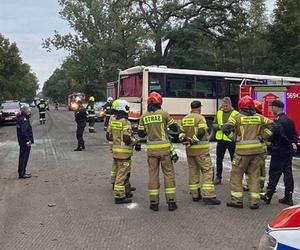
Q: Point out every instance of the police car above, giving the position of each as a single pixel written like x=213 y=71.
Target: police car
x=283 y=233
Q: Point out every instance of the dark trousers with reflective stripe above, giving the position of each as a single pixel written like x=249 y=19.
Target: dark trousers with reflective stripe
x=91 y=123
x=23 y=159
x=222 y=146
x=281 y=165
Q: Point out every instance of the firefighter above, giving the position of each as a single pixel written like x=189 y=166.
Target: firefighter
x=248 y=128
x=113 y=172
x=90 y=109
x=120 y=134
x=258 y=110
x=80 y=118
x=154 y=124
x=108 y=111
x=42 y=111
x=223 y=142
x=284 y=143
x=25 y=139
x=194 y=134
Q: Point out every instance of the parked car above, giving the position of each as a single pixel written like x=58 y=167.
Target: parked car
x=9 y=111
x=284 y=231
x=100 y=114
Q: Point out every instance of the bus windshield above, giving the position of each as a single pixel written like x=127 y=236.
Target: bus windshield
x=131 y=86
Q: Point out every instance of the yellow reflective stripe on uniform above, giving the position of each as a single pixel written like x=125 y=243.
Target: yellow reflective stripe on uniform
x=237 y=194
x=119 y=188
x=122 y=150
x=116 y=125
x=242 y=132
x=153 y=119
x=153 y=191
x=267 y=121
x=254 y=195
x=262 y=178
x=140 y=127
x=268 y=131
x=163 y=133
x=170 y=190
x=188 y=122
x=208 y=186
x=171 y=122
x=194 y=186
x=112 y=173
x=202 y=125
x=250 y=120
x=232 y=120
x=158 y=146
x=248 y=146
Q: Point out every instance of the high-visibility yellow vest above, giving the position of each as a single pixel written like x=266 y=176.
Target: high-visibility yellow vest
x=219 y=134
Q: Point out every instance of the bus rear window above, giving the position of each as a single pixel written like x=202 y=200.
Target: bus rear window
x=131 y=86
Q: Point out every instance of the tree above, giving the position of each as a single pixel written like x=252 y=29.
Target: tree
x=284 y=38
x=16 y=79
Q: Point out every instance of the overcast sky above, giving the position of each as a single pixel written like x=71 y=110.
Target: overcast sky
x=27 y=22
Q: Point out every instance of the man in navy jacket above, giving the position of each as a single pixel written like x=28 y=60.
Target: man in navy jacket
x=25 y=139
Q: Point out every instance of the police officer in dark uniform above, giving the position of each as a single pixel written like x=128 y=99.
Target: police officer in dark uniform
x=25 y=139
x=284 y=143
x=80 y=118
x=42 y=106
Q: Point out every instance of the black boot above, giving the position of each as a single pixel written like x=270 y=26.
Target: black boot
x=124 y=200
x=211 y=201
x=78 y=149
x=218 y=181
x=287 y=199
x=132 y=189
x=235 y=204
x=267 y=197
x=254 y=206
x=154 y=206
x=172 y=206
x=129 y=195
x=199 y=196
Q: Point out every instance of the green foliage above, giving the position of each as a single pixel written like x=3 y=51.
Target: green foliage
x=16 y=79
x=223 y=35
x=284 y=39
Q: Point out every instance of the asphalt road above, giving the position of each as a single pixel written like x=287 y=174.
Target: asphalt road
x=68 y=204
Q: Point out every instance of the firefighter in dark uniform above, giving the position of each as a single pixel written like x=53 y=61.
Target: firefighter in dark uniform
x=223 y=142
x=108 y=111
x=90 y=108
x=42 y=111
x=80 y=118
x=25 y=139
x=284 y=143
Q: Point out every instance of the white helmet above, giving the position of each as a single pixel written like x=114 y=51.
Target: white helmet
x=122 y=105
x=110 y=99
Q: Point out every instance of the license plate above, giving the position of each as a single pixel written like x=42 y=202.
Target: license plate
x=8 y=118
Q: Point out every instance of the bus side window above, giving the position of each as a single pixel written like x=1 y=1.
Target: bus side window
x=205 y=87
x=156 y=83
x=179 y=85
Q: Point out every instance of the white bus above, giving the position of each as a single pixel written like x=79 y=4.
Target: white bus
x=179 y=87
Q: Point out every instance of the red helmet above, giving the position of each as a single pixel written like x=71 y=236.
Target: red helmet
x=154 y=97
x=246 y=102
x=258 y=106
